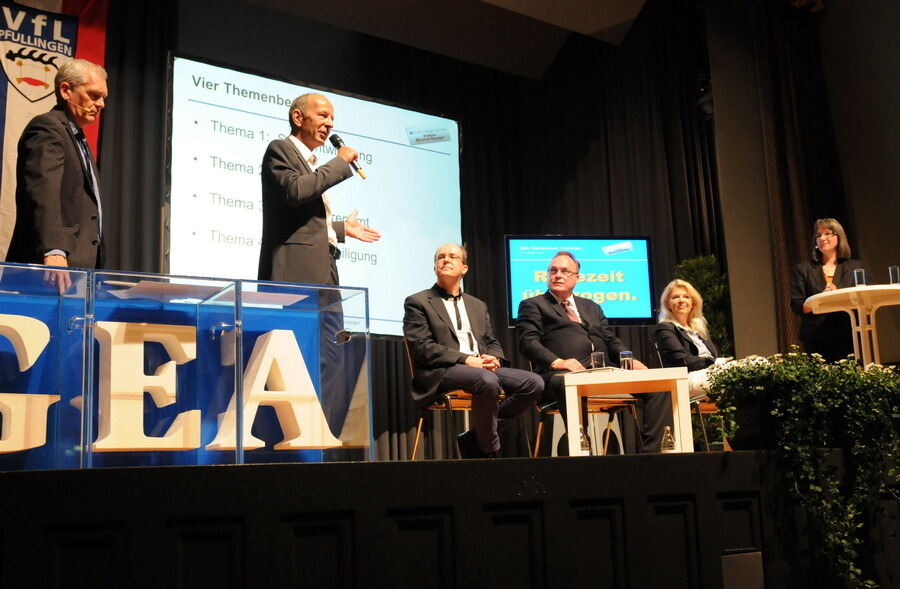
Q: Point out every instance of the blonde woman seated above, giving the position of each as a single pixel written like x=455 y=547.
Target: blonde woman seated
x=681 y=336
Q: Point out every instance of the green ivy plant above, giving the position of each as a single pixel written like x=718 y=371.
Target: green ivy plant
x=703 y=272
x=811 y=405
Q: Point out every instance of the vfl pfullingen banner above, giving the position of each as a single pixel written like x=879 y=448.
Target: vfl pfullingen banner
x=37 y=37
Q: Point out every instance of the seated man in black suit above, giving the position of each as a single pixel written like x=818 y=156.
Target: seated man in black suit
x=557 y=331
x=452 y=343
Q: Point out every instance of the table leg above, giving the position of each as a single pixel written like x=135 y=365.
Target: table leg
x=875 y=350
x=869 y=334
x=573 y=420
x=858 y=341
x=681 y=415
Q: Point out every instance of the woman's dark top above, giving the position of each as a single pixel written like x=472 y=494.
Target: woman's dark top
x=828 y=334
x=677 y=349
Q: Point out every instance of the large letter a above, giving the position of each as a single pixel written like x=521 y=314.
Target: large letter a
x=277 y=363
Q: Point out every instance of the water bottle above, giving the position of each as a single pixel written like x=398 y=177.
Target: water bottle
x=585 y=442
x=667 y=444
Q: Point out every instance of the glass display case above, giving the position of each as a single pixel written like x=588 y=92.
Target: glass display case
x=129 y=369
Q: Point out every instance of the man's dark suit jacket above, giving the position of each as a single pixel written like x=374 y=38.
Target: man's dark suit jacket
x=294 y=244
x=56 y=207
x=807 y=280
x=676 y=348
x=432 y=339
x=545 y=333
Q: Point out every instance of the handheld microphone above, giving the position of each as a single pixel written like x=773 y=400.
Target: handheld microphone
x=338 y=143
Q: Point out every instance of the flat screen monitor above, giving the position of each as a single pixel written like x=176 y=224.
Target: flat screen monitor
x=615 y=272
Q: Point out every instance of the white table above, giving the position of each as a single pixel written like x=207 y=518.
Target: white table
x=860 y=302
x=618 y=382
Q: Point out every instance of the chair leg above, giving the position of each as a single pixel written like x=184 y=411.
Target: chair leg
x=418 y=436
x=525 y=434
x=537 y=436
x=703 y=427
x=450 y=421
x=609 y=420
x=637 y=427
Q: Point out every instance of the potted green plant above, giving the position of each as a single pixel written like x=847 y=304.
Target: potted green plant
x=805 y=406
x=704 y=274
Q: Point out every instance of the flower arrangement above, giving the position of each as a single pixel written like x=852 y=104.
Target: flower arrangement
x=810 y=405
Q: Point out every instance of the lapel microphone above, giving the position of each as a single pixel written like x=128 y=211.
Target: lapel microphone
x=92 y=110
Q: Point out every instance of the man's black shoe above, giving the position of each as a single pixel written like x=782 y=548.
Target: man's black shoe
x=468 y=445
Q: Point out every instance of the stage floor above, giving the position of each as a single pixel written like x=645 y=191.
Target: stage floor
x=689 y=520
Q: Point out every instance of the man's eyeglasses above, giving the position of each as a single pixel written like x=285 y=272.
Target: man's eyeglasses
x=825 y=234
x=454 y=257
x=563 y=271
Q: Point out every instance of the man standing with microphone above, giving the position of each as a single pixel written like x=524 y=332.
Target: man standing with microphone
x=58 y=213
x=299 y=238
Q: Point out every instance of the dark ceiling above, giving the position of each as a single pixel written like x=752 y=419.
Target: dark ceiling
x=521 y=37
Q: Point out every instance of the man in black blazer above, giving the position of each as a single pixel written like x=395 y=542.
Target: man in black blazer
x=57 y=192
x=299 y=239
x=452 y=344
x=558 y=340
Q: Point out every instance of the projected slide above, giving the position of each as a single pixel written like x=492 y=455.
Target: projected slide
x=222 y=121
x=615 y=273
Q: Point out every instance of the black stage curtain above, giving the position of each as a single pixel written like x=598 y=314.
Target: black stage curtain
x=802 y=168
x=614 y=141
x=133 y=163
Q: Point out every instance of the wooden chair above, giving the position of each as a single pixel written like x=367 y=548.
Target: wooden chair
x=590 y=406
x=455 y=400
x=700 y=406
x=458 y=400
x=704 y=406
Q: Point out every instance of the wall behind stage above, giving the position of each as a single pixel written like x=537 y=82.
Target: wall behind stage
x=742 y=175
x=860 y=50
x=781 y=75
x=599 y=147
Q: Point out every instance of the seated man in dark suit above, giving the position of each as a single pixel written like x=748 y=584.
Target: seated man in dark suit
x=557 y=331
x=452 y=344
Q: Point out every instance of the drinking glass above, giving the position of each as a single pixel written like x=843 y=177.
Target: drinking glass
x=626 y=360
x=894 y=274
x=598 y=359
x=859 y=277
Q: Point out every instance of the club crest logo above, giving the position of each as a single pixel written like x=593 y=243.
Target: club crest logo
x=33 y=44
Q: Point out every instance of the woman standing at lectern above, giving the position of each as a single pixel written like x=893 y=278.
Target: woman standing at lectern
x=830 y=268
